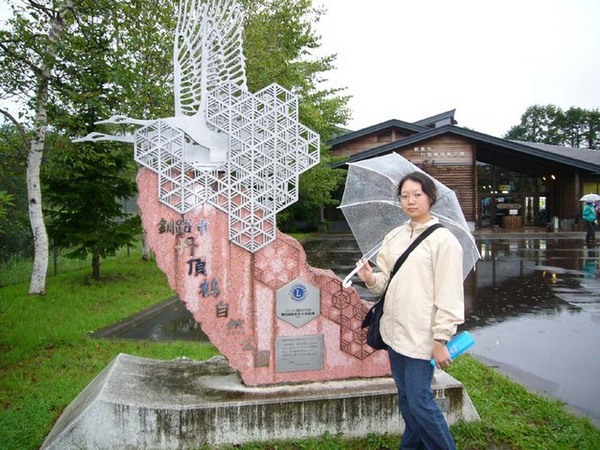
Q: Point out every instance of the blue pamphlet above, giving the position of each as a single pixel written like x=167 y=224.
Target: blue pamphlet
x=458 y=345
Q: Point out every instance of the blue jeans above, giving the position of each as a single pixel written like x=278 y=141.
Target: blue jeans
x=426 y=427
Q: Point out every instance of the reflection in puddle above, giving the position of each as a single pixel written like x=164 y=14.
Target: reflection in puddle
x=173 y=323
x=536 y=307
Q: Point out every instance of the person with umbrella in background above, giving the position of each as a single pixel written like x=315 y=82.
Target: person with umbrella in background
x=589 y=216
x=424 y=304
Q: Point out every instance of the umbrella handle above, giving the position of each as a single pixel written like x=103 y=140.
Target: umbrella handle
x=347 y=282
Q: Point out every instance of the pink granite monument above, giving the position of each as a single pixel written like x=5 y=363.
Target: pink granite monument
x=233 y=293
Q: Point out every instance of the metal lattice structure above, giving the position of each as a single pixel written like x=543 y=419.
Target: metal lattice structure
x=240 y=152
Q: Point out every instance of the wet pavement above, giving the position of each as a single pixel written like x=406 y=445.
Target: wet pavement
x=532 y=305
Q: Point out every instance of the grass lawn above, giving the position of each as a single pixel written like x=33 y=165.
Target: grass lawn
x=47 y=358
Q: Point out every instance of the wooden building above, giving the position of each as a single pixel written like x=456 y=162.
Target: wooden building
x=498 y=182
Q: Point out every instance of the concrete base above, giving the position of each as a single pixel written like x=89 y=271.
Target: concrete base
x=142 y=403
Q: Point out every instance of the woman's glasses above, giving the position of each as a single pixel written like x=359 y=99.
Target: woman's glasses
x=406 y=197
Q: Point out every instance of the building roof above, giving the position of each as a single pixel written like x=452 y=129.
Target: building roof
x=493 y=150
x=583 y=154
x=393 y=123
x=446 y=118
x=415 y=127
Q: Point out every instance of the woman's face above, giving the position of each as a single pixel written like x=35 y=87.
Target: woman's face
x=415 y=202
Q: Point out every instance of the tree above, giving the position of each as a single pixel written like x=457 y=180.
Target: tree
x=87 y=183
x=84 y=190
x=16 y=232
x=573 y=123
x=592 y=132
x=29 y=49
x=6 y=200
x=549 y=124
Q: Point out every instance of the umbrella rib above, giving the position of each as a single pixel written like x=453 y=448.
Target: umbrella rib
x=368 y=202
x=373 y=170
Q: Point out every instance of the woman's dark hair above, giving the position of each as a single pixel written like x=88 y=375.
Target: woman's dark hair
x=427 y=184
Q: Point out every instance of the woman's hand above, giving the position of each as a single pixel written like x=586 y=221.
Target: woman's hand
x=365 y=272
x=441 y=355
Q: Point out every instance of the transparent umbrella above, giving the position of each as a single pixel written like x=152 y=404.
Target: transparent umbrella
x=371 y=206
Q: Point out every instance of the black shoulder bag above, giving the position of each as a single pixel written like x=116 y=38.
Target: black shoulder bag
x=373 y=317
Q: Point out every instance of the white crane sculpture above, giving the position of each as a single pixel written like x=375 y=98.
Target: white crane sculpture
x=238 y=151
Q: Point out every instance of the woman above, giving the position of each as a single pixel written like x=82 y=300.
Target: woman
x=424 y=305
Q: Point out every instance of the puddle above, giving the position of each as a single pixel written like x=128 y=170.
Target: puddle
x=167 y=321
x=536 y=308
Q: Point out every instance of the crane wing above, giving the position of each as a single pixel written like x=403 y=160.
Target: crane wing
x=207 y=52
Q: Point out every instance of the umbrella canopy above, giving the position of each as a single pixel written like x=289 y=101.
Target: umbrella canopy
x=371 y=206
x=590 y=198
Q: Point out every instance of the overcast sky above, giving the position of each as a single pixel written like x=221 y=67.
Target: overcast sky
x=489 y=60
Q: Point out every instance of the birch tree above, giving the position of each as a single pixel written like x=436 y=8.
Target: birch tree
x=43 y=61
x=28 y=55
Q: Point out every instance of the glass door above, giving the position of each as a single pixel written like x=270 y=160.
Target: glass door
x=529 y=211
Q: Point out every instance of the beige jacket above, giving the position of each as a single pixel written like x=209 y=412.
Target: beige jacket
x=425 y=300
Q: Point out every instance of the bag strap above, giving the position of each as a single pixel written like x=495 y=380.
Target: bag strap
x=414 y=245
x=410 y=248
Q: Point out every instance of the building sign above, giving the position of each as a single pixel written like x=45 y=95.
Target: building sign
x=438 y=156
x=298 y=353
x=298 y=302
